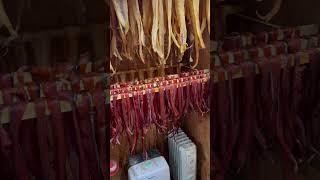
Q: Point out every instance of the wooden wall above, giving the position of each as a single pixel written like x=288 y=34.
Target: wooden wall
x=57 y=45
x=198 y=129
x=54 y=31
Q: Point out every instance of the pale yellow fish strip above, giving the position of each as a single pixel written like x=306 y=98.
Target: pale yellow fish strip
x=155 y=24
x=181 y=18
x=139 y=24
x=171 y=36
x=113 y=48
x=193 y=7
x=161 y=34
x=121 y=8
x=147 y=15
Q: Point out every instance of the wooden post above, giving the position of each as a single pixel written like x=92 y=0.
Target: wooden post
x=72 y=37
x=179 y=68
x=204 y=58
x=162 y=70
x=21 y=54
x=141 y=75
x=98 y=36
x=132 y=75
x=41 y=44
x=149 y=70
x=123 y=77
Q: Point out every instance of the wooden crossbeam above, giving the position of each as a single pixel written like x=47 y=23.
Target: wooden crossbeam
x=30 y=112
x=304 y=59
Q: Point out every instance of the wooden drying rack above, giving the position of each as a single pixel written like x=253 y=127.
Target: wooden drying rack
x=304 y=59
x=66 y=107
x=96 y=79
x=179 y=82
x=30 y=108
x=122 y=76
x=30 y=112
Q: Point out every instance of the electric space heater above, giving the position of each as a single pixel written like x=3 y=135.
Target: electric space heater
x=154 y=168
x=182 y=156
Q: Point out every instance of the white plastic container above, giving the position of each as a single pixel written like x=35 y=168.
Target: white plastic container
x=153 y=169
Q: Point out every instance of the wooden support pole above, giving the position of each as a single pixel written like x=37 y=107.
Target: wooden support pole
x=149 y=71
x=28 y=36
x=161 y=70
x=98 y=36
x=72 y=38
x=41 y=45
x=21 y=55
x=141 y=75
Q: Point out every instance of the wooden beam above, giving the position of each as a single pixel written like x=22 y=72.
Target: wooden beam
x=98 y=35
x=73 y=46
x=96 y=79
x=304 y=59
x=30 y=112
x=180 y=82
x=28 y=36
x=41 y=44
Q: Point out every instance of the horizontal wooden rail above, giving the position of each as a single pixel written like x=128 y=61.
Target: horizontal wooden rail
x=30 y=112
x=96 y=79
x=148 y=69
x=66 y=107
x=303 y=56
x=205 y=77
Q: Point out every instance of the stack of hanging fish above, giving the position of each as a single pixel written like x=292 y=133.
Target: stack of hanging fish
x=145 y=28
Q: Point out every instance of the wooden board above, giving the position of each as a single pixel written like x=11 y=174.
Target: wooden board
x=304 y=59
x=198 y=129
